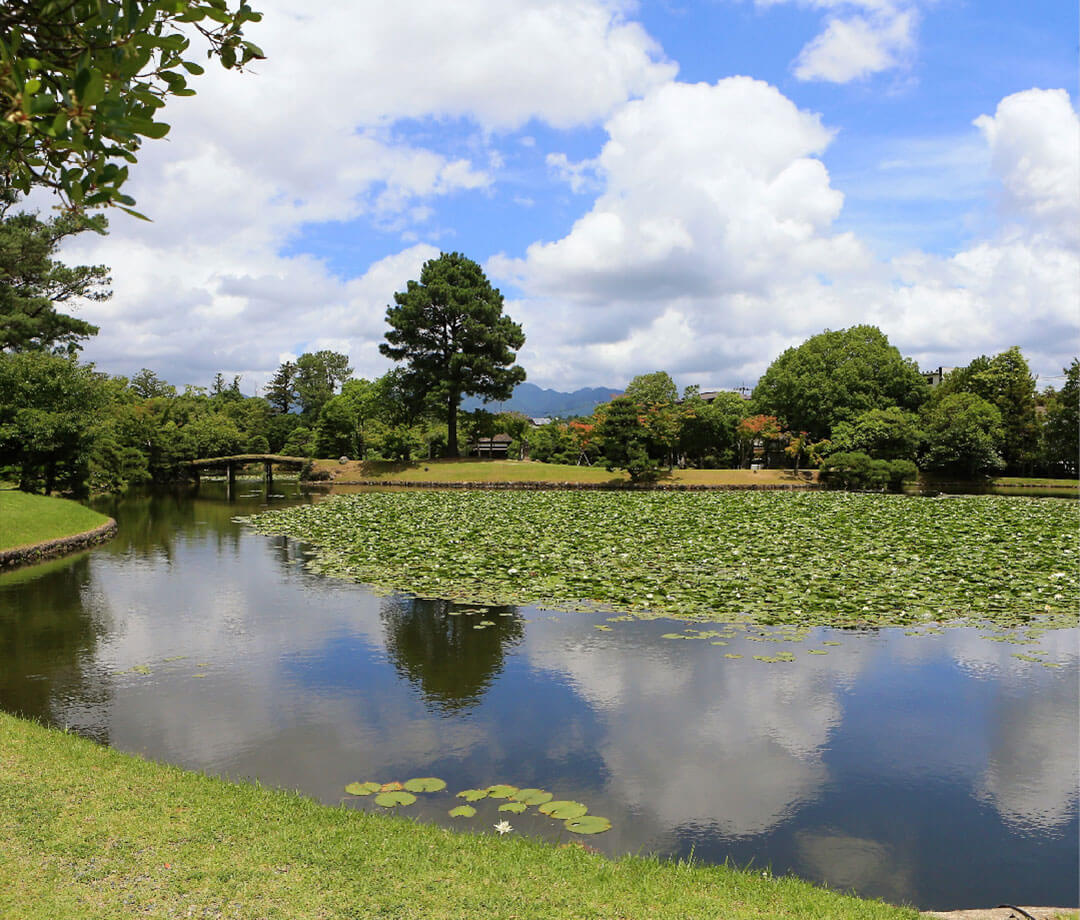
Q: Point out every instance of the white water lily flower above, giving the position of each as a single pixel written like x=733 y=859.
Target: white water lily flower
x=503 y=827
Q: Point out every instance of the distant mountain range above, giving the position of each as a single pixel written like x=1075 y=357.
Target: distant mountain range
x=537 y=402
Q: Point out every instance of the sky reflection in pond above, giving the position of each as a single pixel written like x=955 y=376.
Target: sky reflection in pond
x=938 y=769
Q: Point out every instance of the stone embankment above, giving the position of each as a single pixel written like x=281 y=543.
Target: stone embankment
x=50 y=549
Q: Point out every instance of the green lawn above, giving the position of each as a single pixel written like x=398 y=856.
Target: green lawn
x=90 y=832
x=466 y=470
x=1037 y=481
x=27 y=519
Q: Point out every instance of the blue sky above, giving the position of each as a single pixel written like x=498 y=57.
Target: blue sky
x=689 y=186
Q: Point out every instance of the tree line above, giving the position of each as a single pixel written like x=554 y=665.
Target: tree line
x=845 y=401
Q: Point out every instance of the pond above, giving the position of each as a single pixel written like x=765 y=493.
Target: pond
x=921 y=766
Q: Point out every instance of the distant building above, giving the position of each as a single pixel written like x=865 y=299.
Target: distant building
x=539 y=422
x=934 y=378
x=710 y=395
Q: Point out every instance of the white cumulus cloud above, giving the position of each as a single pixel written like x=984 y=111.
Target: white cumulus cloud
x=320 y=132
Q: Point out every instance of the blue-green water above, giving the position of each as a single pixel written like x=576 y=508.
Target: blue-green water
x=936 y=769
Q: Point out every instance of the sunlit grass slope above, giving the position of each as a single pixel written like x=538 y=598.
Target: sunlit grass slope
x=90 y=832
x=27 y=519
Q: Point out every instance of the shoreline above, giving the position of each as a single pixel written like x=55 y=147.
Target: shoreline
x=33 y=553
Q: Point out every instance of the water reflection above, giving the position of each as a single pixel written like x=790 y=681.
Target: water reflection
x=451 y=652
x=191 y=639
x=50 y=628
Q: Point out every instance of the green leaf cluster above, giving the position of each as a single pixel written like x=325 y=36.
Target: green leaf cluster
x=82 y=83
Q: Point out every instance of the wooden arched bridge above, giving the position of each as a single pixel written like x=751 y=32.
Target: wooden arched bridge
x=230 y=464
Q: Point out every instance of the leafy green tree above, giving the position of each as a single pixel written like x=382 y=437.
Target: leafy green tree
x=553 y=443
x=450 y=330
x=885 y=434
x=48 y=406
x=655 y=388
x=1061 y=430
x=834 y=377
x=147 y=385
x=368 y=401
x=707 y=437
x=400 y=442
x=33 y=283
x=82 y=82
x=318 y=375
x=963 y=436
x=336 y=430
x=1004 y=381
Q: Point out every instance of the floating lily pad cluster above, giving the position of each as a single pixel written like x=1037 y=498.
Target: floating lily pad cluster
x=393 y=794
x=574 y=815
x=814 y=558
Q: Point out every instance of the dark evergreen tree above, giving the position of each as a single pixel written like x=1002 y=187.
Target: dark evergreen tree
x=450 y=330
x=281 y=390
x=33 y=284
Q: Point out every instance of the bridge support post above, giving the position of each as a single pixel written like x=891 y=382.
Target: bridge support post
x=269 y=475
x=230 y=487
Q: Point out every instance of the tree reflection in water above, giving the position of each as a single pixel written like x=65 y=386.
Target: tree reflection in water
x=48 y=642
x=435 y=645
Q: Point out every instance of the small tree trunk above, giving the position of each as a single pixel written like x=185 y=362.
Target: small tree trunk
x=451 y=425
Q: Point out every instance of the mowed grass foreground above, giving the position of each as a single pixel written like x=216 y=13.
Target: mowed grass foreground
x=804 y=558
x=90 y=832
x=27 y=519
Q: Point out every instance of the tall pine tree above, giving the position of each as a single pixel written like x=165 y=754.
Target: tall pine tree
x=450 y=330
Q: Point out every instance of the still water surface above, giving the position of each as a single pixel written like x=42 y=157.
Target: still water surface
x=937 y=770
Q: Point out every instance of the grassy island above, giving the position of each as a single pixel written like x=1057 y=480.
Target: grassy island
x=29 y=519
x=91 y=832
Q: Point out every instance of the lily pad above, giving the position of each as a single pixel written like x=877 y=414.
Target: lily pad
x=532 y=796
x=363 y=788
x=392 y=787
x=393 y=799
x=472 y=795
x=993 y=560
x=563 y=810
x=587 y=824
x=462 y=811
x=515 y=808
x=425 y=784
x=501 y=791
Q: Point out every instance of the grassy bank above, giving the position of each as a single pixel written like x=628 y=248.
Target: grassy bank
x=27 y=519
x=527 y=471
x=90 y=832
